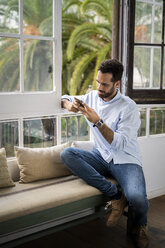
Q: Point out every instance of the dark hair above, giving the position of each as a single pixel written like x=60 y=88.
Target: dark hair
x=112 y=66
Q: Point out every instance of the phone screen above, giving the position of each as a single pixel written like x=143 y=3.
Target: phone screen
x=79 y=101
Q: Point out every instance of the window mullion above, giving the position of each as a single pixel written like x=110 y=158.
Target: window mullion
x=21 y=46
x=58 y=119
x=162 y=47
x=57 y=61
x=20 y=132
x=151 y=66
x=152 y=49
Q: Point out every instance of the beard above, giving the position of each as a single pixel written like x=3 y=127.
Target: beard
x=104 y=95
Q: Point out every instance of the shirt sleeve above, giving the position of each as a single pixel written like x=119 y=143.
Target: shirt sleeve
x=127 y=128
x=71 y=98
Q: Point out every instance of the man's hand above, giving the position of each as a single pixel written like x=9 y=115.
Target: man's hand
x=90 y=113
x=70 y=106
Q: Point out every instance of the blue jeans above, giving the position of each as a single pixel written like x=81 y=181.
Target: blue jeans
x=93 y=169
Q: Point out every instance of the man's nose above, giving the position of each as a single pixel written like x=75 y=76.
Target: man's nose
x=99 y=87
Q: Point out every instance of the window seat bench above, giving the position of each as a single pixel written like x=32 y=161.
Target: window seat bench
x=29 y=211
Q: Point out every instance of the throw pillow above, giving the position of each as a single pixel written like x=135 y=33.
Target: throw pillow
x=5 y=179
x=40 y=163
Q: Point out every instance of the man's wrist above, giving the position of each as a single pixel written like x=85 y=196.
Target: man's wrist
x=98 y=124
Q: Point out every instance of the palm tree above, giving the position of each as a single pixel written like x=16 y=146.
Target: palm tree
x=93 y=38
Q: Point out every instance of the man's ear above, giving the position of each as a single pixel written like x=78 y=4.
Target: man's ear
x=117 y=84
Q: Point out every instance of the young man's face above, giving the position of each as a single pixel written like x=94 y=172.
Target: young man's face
x=106 y=88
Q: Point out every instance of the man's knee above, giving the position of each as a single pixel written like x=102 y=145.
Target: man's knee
x=66 y=153
x=138 y=201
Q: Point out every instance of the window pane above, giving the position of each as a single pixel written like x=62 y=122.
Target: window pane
x=142 y=129
x=143 y=22
x=141 y=75
x=38 y=60
x=157 y=121
x=74 y=128
x=9 y=136
x=156 y=67
x=9 y=65
x=9 y=16
x=37 y=17
x=158 y=23
x=40 y=132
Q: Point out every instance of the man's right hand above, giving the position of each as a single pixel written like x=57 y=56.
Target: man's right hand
x=70 y=106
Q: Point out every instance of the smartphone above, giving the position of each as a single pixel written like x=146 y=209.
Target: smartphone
x=79 y=101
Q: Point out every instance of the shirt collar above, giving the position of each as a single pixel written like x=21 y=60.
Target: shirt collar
x=115 y=98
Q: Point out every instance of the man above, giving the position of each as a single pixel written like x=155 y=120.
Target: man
x=114 y=121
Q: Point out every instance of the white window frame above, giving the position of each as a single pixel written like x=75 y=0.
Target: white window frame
x=18 y=105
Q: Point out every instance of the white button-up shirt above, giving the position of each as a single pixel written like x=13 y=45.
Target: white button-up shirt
x=122 y=116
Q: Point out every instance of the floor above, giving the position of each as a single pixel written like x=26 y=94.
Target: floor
x=95 y=234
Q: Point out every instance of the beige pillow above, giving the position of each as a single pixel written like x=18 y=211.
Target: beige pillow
x=5 y=179
x=40 y=163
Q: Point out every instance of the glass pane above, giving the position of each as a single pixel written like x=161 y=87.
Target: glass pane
x=74 y=128
x=37 y=17
x=156 y=67
x=9 y=16
x=9 y=65
x=142 y=129
x=158 y=23
x=40 y=132
x=38 y=60
x=141 y=76
x=143 y=22
x=157 y=121
x=9 y=136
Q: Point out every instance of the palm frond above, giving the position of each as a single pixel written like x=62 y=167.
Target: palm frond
x=45 y=27
x=101 y=8
x=84 y=31
x=87 y=82
x=100 y=57
x=67 y=4
x=79 y=70
x=29 y=55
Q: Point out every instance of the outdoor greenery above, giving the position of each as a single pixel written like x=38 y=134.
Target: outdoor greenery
x=86 y=41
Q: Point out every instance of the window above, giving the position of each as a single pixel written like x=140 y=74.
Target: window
x=30 y=72
x=146 y=45
x=30 y=55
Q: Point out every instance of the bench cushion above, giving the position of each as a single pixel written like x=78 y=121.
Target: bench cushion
x=43 y=195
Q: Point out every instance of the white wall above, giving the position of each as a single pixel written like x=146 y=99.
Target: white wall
x=153 y=153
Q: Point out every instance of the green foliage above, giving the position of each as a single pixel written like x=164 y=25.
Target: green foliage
x=86 y=40
x=94 y=34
